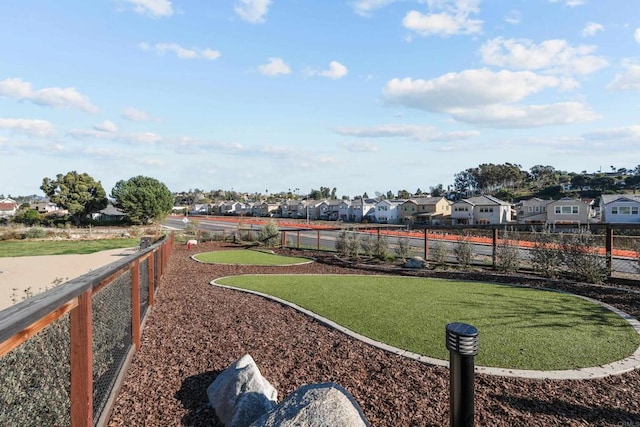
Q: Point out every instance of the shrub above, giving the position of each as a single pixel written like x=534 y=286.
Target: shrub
x=403 y=250
x=546 y=256
x=341 y=243
x=438 y=254
x=367 y=244
x=353 y=245
x=508 y=252
x=36 y=233
x=269 y=234
x=463 y=252
x=381 y=248
x=580 y=256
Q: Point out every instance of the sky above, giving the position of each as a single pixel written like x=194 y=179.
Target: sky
x=277 y=95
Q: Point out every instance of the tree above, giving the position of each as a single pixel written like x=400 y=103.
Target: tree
x=404 y=194
x=143 y=199
x=78 y=193
x=437 y=191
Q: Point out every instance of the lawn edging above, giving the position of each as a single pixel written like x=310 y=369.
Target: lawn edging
x=627 y=364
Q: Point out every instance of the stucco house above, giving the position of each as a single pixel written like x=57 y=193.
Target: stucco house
x=481 y=210
x=8 y=207
x=620 y=208
x=570 y=211
x=532 y=211
x=388 y=211
x=362 y=210
x=426 y=210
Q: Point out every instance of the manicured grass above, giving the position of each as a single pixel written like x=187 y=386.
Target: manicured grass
x=61 y=247
x=248 y=257
x=519 y=328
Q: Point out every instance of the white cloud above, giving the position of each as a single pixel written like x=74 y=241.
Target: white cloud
x=179 y=51
x=467 y=89
x=636 y=35
x=513 y=17
x=360 y=147
x=517 y=116
x=33 y=127
x=628 y=132
x=336 y=71
x=253 y=11
x=106 y=126
x=153 y=8
x=571 y=3
x=416 y=132
x=628 y=80
x=52 y=97
x=452 y=18
x=550 y=55
x=591 y=29
x=275 y=67
x=366 y=7
x=135 y=115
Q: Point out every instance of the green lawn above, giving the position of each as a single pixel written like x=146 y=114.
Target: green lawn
x=61 y=247
x=248 y=257
x=520 y=328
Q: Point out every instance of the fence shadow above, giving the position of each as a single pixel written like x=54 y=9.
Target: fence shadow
x=590 y=412
x=193 y=397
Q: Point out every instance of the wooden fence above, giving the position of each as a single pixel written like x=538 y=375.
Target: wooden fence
x=64 y=352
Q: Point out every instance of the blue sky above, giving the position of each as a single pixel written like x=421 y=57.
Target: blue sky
x=272 y=95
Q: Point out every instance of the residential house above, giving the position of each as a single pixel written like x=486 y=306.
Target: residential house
x=109 y=214
x=334 y=209
x=362 y=210
x=532 y=211
x=343 y=210
x=481 y=210
x=44 y=208
x=620 y=208
x=570 y=211
x=269 y=209
x=388 y=211
x=426 y=211
x=8 y=207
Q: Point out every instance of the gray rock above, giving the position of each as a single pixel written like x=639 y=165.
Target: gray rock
x=240 y=394
x=316 y=405
x=415 y=262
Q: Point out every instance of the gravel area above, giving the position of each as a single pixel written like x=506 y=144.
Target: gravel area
x=196 y=330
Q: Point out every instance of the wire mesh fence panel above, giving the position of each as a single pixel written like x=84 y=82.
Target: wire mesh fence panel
x=111 y=337
x=35 y=386
x=144 y=288
x=626 y=254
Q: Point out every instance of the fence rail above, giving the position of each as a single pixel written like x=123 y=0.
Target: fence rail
x=63 y=352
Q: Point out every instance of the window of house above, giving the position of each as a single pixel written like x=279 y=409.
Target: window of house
x=624 y=210
x=537 y=209
x=567 y=210
x=530 y=208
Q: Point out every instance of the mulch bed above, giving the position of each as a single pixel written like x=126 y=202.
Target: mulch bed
x=196 y=330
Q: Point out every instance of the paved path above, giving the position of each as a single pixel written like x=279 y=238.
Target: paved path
x=39 y=273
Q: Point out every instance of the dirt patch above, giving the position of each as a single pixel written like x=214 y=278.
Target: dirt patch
x=196 y=330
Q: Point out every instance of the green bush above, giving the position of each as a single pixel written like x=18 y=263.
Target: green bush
x=546 y=256
x=508 y=252
x=580 y=255
x=438 y=254
x=403 y=249
x=269 y=234
x=36 y=233
x=464 y=252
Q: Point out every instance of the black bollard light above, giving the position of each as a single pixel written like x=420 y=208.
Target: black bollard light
x=462 y=343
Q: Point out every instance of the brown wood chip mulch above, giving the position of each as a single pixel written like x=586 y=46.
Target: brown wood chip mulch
x=196 y=330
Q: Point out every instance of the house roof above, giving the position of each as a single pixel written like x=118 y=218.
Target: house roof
x=610 y=198
x=485 y=200
x=7 y=206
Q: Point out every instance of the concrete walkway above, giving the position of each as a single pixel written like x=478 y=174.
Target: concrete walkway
x=36 y=274
x=625 y=365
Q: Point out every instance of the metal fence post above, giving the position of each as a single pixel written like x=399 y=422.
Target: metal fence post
x=609 y=250
x=462 y=343
x=426 y=244
x=495 y=248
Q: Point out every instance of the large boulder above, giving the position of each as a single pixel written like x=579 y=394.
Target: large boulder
x=240 y=394
x=415 y=262
x=326 y=404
